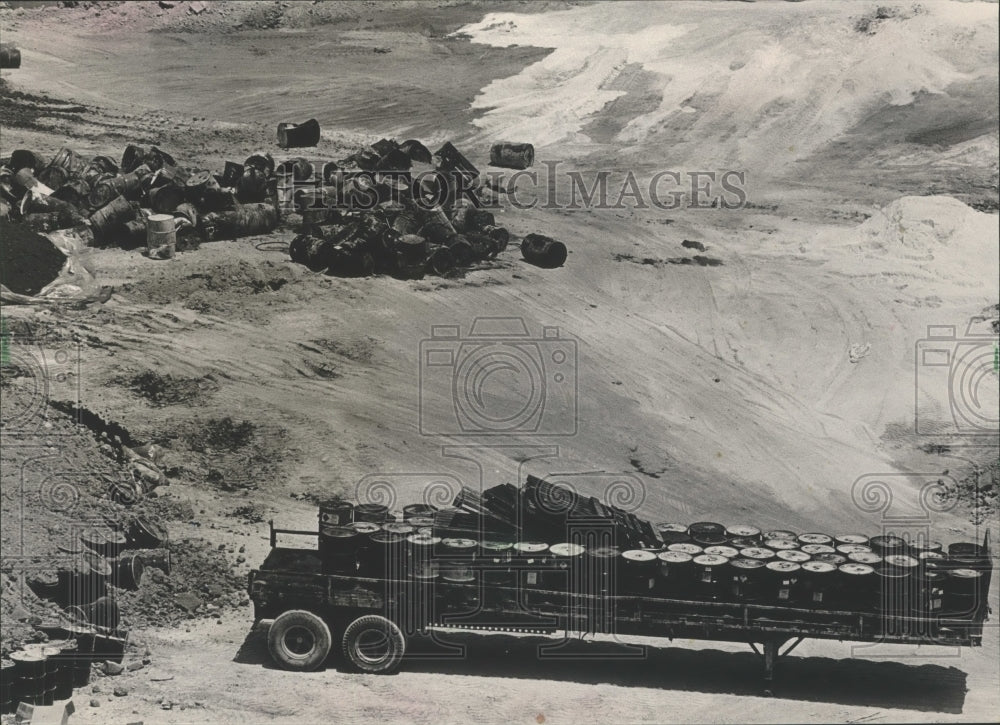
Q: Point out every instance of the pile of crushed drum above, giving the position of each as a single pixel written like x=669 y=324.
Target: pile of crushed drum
x=545 y=537
x=390 y=208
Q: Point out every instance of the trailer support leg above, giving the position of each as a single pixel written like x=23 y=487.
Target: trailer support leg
x=770 y=657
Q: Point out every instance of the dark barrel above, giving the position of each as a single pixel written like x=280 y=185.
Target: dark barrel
x=9 y=695
x=963 y=593
x=29 y=675
x=602 y=571
x=128 y=570
x=857 y=586
x=104 y=612
x=108 y=647
x=336 y=513
x=887 y=544
x=24 y=159
x=674 y=573
x=782 y=581
x=456 y=556
x=421 y=563
x=10 y=57
x=746 y=579
x=371 y=512
x=835 y=559
x=967 y=555
x=298 y=135
x=66 y=656
x=567 y=560
x=512 y=155
x=338 y=549
x=929 y=589
x=710 y=575
x=146 y=533
x=104 y=540
x=531 y=559
x=896 y=584
x=494 y=559
x=818 y=583
x=110 y=218
x=53 y=672
x=707 y=533
x=921 y=546
x=84 y=655
x=743 y=531
x=543 y=251
x=638 y=572
x=382 y=555
x=670 y=533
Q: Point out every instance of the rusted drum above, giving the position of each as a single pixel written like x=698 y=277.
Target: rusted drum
x=545 y=252
x=512 y=155
x=746 y=579
x=71 y=162
x=24 y=159
x=531 y=559
x=84 y=636
x=161 y=234
x=10 y=57
x=292 y=135
x=371 y=512
x=711 y=574
x=164 y=199
x=75 y=192
x=857 y=587
x=782 y=581
x=338 y=548
x=252 y=186
x=299 y=168
x=819 y=580
x=887 y=544
x=146 y=533
x=336 y=513
x=674 y=573
x=440 y=260
x=110 y=218
x=638 y=572
x=670 y=533
x=707 y=533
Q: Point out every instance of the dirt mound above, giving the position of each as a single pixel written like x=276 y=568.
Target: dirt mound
x=928 y=223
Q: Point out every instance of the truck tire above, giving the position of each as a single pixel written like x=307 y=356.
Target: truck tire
x=299 y=640
x=374 y=644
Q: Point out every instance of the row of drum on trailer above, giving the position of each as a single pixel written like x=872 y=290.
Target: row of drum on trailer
x=703 y=561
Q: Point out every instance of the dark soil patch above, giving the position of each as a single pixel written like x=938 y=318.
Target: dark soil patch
x=167 y=389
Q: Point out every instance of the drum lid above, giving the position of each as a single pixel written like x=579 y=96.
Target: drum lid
x=495 y=545
x=458 y=544
x=779 y=534
x=794 y=555
x=743 y=530
x=398 y=528
x=887 y=542
x=742 y=542
x=386 y=537
x=678 y=528
x=854 y=549
x=674 y=557
x=692 y=549
x=418 y=521
x=818 y=567
x=784 y=567
x=423 y=540
x=338 y=532
x=757 y=552
x=639 y=555
x=835 y=559
x=530 y=547
x=566 y=549
x=928 y=546
x=865 y=557
x=779 y=544
x=966 y=573
x=747 y=563
x=855 y=569
x=931 y=555
x=364 y=527
x=726 y=551
x=814 y=538
x=851 y=539
x=902 y=561
x=706 y=527
x=817 y=549
x=710 y=560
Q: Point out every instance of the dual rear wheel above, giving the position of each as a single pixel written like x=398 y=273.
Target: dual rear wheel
x=301 y=640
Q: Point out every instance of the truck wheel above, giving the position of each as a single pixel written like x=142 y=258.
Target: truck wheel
x=299 y=640
x=374 y=644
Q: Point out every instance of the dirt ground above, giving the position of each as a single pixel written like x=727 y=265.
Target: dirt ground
x=768 y=384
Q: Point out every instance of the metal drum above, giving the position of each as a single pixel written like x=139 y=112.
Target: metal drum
x=794 y=555
x=104 y=612
x=896 y=584
x=104 y=540
x=865 y=557
x=674 y=573
x=966 y=555
x=8 y=696
x=371 y=512
x=835 y=559
x=818 y=580
x=399 y=528
x=813 y=549
x=779 y=544
x=382 y=556
x=746 y=580
x=963 y=592
x=638 y=572
x=710 y=575
x=418 y=510
x=851 y=539
x=338 y=549
x=706 y=528
x=29 y=676
x=84 y=654
x=421 y=563
x=757 y=552
x=494 y=559
x=568 y=562
x=782 y=581
x=128 y=570
x=601 y=577
x=531 y=558
x=365 y=527
x=887 y=544
x=336 y=513
x=856 y=586
x=743 y=542
x=848 y=549
x=418 y=522
x=53 y=673
x=691 y=550
x=929 y=592
x=920 y=547
x=672 y=533
x=779 y=534
x=814 y=539
x=743 y=531
x=727 y=551
x=457 y=556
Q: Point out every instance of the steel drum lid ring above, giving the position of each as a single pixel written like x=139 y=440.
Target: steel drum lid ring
x=813 y=549
x=726 y=551
x=566 y=549
x=743 y=531
x=783 y=567
x=851 y=539
x=794 y=555
x=855 y=569
x=710 y=560
x=674 y=557
x=781 y=544
x=818 y=567
x=639 y=555
x=865 y=557
x=691 y=549
x=757 y=552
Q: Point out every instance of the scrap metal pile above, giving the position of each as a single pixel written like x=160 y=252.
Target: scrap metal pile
x=116 y=198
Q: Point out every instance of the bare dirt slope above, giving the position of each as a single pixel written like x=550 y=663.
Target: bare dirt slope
x=760 y=388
